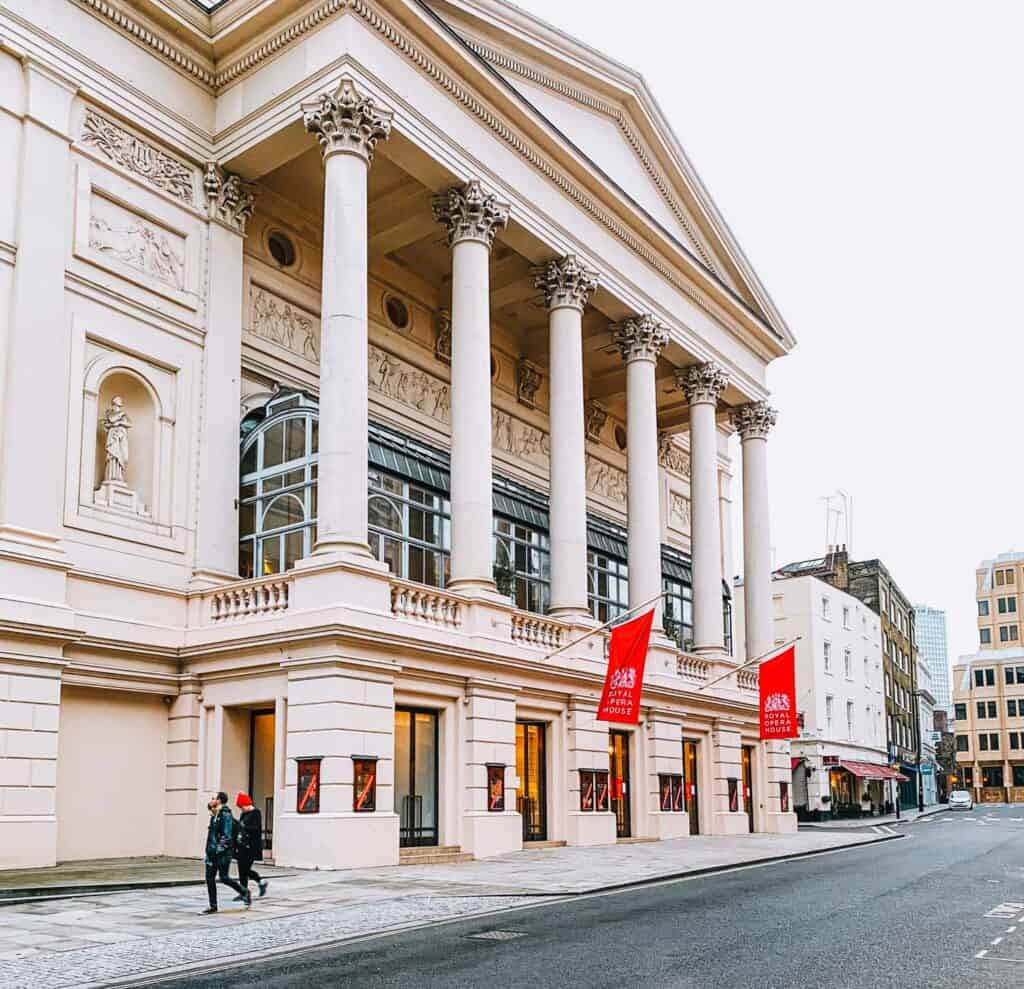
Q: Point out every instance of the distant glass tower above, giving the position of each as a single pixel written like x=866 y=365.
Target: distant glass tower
x=931 y=641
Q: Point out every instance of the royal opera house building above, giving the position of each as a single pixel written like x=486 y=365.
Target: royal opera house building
x=357 y=359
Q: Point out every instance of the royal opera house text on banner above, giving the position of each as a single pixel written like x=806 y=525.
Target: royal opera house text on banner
x=627 y=657
x=778 y=696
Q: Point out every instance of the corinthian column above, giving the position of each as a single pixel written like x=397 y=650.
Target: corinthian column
x=471 y=217
x=567 y=287
x=702 y=384
x=348 y=126
x=640 y=340
x=752 y=422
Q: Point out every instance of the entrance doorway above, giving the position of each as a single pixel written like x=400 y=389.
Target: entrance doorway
x=691 y=788
x=748 y=784
x=618 y=753
x=261 y=769
x=416 y=776
x=532 y=797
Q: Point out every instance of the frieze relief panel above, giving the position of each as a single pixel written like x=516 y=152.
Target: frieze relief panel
x=139 y=157
x=400 y=381
x=121 y=235
x=679 y=512
x=284 y=323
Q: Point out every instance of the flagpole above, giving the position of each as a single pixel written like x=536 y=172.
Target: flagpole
x=750 y=662
x=601 y=628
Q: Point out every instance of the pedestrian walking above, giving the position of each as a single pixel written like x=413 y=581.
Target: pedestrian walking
x=249 y=846
x=220 y=844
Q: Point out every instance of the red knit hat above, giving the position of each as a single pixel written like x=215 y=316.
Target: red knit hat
x=243 y=800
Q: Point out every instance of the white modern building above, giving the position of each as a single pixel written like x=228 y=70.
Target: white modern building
x=840 y=757
x=356 y=359
x=931 y=641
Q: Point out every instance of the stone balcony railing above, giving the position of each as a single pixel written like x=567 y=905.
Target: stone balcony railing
x=536 y=630
x=427 y=604
x=748 y=680
x=248 y=599
x=691 y=668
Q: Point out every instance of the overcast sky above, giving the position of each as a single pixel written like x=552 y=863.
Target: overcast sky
x=869 y=158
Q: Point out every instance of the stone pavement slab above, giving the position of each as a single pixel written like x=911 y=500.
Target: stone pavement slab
x=137 y=935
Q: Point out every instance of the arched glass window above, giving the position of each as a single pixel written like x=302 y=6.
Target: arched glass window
x=277 y=490
x=410 y=528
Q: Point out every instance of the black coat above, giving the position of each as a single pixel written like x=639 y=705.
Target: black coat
x=220 y=837
x=250 y=835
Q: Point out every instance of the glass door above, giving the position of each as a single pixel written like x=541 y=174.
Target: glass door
x=618 y=754
x=416 y=776
x=748 y=785
x=531 y=797
x=690 y=785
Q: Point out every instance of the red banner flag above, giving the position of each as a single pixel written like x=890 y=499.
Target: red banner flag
x=627 y=656
x=778 y=696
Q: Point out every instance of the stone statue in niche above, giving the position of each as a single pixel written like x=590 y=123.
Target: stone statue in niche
x=114 y=492
x=117 y=423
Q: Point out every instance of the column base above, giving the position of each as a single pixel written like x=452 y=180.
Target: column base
x=590 y=829
x=336 y=841
x=777 y=822
x=665 y=826
x=341 y=552
x=485 y=834
x=477 y=587
x=575 y=615
x=28 y=842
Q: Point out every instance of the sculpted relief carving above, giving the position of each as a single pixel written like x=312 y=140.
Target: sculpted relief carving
x=126 y=150
x=279 y=321
x=402 y=382
x=678 y=512
x=125 y=236
x=672 y=457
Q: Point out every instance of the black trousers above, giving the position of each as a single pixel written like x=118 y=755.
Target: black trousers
x=246 y=871
x=219 y=870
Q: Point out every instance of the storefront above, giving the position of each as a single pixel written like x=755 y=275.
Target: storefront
x=859 y=789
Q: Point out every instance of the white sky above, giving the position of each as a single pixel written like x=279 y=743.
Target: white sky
x=869 y=158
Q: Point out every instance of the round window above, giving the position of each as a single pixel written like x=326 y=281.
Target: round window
x=282 y=250
x=398 y=312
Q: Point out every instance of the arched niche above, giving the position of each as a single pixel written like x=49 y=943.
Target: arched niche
x=139 y=404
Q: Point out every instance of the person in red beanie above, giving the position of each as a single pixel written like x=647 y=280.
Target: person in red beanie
x=249 y=846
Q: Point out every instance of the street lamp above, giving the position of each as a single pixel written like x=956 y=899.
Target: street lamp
x=917 y=729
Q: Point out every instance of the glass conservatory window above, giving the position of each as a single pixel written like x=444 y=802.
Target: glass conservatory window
x=277 y=491
x=607 y=585
x=522 y=564
x=678 y=612
x=410 y=529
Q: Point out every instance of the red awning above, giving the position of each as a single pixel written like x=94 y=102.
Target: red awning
x=794 y=761
x=871 y=771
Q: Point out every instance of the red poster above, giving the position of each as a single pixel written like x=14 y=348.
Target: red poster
x=778 y=696
x=627 y=656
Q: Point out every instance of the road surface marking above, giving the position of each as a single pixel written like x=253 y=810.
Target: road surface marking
x=995 y=942
x=1004 y=911
x=1010 y=930
x=981 y=954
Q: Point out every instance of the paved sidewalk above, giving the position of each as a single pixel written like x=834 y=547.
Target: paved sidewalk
x=134 y=937
x=845 y=824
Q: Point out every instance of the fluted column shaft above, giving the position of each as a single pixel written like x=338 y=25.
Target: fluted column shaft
x=753 y=421
x=702 y=384
x=640 y=341
x=472 y=218
x=348 y=126
x=567 y=286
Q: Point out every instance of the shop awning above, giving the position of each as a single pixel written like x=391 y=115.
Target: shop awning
x=794 y=761
x=871 y=771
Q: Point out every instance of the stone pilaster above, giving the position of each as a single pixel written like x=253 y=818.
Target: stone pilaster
x=183 y=801
x=588 y=749
x=664 y=756
x=490 y=740
x=471 y=218
x=726 y=765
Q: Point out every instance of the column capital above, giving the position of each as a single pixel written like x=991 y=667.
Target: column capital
x=753 y=420
x=639 y=338
x=469 y=213
x=702 y=382
x=229 y=200
x=565 y=282
x=346 y=121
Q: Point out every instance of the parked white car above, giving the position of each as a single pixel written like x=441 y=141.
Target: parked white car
x=960 y=800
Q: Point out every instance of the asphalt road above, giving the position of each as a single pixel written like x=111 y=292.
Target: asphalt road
x=915 y=912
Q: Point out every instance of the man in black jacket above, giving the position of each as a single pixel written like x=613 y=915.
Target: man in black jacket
x=220 y=845
x=249 y=846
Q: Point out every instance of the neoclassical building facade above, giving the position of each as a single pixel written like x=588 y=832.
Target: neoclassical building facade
x=357 y=359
